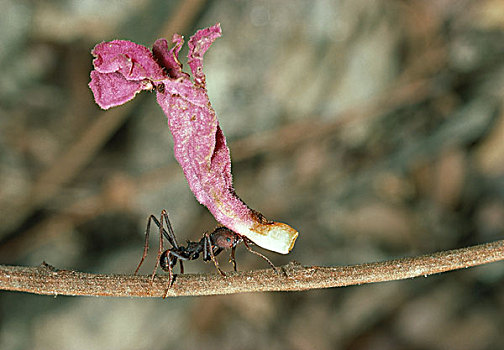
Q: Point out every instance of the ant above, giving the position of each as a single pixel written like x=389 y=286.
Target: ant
x=209 y=246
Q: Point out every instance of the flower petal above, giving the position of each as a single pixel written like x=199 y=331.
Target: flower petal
x=123 y=68
x=168 y=59
x=112 y=89
x=201 y=150
x=198 y=45
x=133 y=61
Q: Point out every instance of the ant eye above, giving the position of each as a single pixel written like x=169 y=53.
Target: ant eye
x=228 y=239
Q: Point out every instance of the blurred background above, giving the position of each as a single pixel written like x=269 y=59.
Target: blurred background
x=376 y=128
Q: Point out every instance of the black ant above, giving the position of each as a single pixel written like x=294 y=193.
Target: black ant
x=209 y=246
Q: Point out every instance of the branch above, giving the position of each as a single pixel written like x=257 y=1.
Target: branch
x=293 y=277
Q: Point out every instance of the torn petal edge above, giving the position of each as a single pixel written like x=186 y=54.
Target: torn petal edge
x=198 y=45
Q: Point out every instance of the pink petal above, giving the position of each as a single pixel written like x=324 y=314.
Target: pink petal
x=112 y=89
x=169 y=58
x=200 y=148
x=123 y=68
x=198 y=45
x=133 y=61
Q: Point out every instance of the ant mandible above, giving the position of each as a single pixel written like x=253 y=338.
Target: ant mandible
x=209 y=246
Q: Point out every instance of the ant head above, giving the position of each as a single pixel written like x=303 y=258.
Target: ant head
x=225 y=238
x=167 y=261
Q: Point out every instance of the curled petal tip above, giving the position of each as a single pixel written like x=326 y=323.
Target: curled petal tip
x=275 y=236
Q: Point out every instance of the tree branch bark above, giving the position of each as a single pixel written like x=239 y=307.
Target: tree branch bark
x=45 y=279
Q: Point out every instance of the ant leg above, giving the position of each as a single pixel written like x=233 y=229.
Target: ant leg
x=246 y=242
x=161 y=249
x=181 y=259
x=170 y=276
x=233 y=260
x=207 y=249
x=170 y=235
x=181 y=267
x=146 y=243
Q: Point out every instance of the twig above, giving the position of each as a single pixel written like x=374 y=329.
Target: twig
x=293 y=277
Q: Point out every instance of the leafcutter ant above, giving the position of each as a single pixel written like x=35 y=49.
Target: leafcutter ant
x=209 y=246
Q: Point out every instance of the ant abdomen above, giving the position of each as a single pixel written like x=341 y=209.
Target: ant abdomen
x=167 y=261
